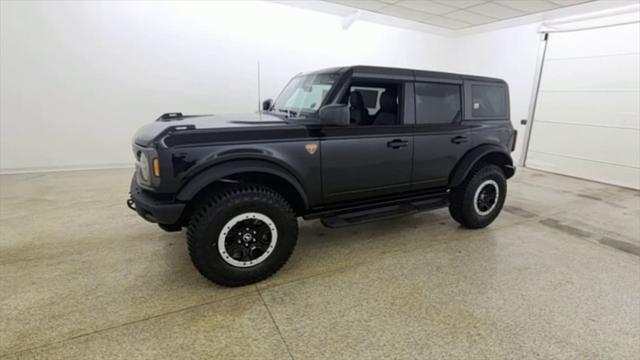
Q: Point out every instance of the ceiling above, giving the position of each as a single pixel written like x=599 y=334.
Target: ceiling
x=457 y=14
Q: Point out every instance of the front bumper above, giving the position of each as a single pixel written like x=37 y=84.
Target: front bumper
x=152 y=209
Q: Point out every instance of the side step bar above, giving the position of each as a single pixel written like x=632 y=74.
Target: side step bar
x=383 y=212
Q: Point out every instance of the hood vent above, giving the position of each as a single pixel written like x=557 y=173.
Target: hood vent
x=170 y=116
x=258 y=122
x=177 y=116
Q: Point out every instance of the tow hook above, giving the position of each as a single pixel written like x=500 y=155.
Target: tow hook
x=131 y=204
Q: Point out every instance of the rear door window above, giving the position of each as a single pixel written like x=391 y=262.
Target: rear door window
x=437 y=103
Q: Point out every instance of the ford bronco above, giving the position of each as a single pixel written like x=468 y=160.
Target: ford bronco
x=344 y=145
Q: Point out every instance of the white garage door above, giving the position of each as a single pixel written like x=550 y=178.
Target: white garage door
x=587 y=117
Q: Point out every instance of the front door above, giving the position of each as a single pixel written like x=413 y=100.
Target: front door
x=366 y=162
x=372 y=156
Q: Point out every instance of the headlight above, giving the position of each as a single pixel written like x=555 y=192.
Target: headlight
x=143 y=166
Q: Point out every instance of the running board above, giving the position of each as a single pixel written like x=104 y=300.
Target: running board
x=383 y=212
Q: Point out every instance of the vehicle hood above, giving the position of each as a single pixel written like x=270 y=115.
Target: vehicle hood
x=149 y=133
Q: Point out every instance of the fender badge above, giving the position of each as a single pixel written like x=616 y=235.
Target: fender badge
x=311 y=148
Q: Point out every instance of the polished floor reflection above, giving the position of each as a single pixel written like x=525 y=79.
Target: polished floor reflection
x=556 y=276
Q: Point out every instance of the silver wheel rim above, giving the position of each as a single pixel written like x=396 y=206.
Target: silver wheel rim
x=480 y=203
x=247 y=238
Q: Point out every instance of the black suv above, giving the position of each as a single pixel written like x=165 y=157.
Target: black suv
x=345 y=145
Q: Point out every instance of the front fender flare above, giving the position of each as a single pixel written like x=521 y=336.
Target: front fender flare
x=232 y=167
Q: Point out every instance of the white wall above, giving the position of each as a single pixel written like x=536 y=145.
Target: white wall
x=78 y=78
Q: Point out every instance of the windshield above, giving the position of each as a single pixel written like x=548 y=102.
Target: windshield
x=304 y=94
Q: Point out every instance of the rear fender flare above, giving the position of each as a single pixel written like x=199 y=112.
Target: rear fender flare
x=471 y=158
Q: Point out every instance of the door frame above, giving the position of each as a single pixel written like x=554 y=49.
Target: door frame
x=542 y=51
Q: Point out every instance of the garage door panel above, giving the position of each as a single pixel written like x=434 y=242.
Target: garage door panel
x=612 y=109
x=585 y=74
x=608 y=145
x=605 y=41
x=586 y=169
x=587 y=117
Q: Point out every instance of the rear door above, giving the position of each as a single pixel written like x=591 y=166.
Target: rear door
x=362 y=161
x=441 y=138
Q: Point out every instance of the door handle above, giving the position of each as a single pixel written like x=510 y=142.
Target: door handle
x=459 y=139
x=397 y=143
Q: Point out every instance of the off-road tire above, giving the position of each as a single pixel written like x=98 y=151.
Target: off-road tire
x=208 y=221
x=461 y=198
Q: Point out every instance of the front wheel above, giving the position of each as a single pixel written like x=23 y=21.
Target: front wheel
x=242 y=235
x=479 y=199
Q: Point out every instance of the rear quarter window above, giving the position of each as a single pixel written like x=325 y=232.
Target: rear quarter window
x=489 y=101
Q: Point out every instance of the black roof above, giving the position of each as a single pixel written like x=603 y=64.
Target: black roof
x=406 y=74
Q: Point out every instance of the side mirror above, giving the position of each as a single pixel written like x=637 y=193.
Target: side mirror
x=266 y=105
x=335 y=114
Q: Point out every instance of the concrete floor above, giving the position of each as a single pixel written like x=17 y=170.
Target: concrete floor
x=557 y=276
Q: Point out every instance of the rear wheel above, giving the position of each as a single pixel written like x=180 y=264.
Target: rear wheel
x=479 y=199
x=242 y=235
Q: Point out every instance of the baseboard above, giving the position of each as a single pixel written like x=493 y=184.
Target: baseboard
x=31 y=170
